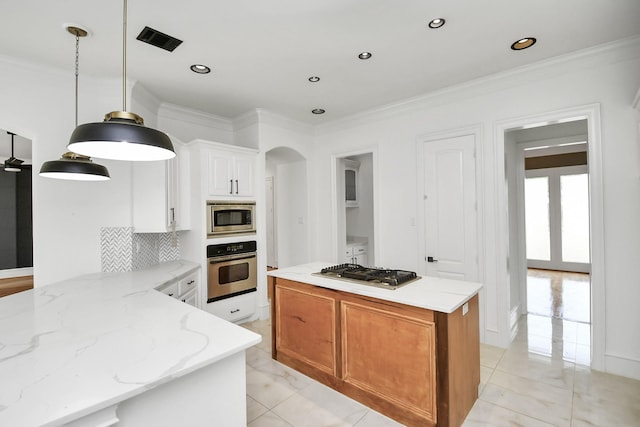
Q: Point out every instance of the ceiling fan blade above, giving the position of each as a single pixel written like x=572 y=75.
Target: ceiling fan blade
x=13 y=162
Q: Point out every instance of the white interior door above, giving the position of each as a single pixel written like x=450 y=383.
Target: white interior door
x=450 y=208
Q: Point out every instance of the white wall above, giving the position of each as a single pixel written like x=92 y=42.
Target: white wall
x=38 y=103
x=609 y=76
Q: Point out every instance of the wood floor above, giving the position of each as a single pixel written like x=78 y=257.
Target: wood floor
x=12 y=285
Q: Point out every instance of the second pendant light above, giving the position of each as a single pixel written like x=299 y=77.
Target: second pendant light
x=73 y=166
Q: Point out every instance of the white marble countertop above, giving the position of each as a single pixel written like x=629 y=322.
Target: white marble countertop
x=81 y=345
x=433 y=293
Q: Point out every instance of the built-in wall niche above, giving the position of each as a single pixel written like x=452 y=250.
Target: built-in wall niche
x=16 y=219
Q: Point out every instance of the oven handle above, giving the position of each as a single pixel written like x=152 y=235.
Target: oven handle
x=219 y=259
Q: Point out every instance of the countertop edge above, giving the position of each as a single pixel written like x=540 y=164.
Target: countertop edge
x=432 y=293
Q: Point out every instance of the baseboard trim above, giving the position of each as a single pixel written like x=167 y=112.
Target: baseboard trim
x=264 y=312
x=622 y=365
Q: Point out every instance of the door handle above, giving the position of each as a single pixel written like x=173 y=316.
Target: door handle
x=236 y=186
x=230 y=186
x=431 y=259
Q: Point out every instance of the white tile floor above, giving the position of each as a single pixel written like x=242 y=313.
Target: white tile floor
x=540 y=380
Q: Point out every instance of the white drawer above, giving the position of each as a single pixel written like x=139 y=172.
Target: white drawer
x=188 y=283
x=360 y=249
x=235 y=308
x=170 y=289
x=190 y=298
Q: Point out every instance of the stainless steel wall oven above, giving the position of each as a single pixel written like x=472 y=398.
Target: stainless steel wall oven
x=232 y=270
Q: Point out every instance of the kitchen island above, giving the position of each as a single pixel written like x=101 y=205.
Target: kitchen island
x=108 y=348
x=411 y=353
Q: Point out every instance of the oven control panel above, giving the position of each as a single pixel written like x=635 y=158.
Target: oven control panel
x=231 y=248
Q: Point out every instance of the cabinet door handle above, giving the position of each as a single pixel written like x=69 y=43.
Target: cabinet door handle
x=191 y=282
x=171 y=294
x=230 y=186
x=431 y=259
x=235 y=311
x=236 y=186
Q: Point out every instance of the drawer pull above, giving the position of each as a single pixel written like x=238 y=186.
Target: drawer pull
x=171 y=294
x=184 y=300
x=191 y=282
x=235 y=311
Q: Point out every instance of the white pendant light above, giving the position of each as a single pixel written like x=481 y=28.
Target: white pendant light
x=73 y=166
x=122 y=135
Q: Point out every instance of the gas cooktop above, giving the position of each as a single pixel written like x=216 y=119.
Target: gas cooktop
x=380 y=277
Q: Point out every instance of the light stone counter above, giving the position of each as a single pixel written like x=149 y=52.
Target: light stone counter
x=76 y=347
x=433 y=293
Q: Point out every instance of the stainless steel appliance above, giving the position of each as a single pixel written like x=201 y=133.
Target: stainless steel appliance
x=230 y=217
x=232 y=270
x=380 y=277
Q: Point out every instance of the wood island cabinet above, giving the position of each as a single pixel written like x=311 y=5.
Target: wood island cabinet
x=307 y=325
x=418 y=366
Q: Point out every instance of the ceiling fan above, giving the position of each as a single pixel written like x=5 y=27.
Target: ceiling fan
x=12 y=164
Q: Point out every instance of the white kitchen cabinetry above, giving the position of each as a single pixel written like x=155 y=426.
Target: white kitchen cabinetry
x=231 y=174
x=351 y=183
x=160 y=192
x=357 y=254
x=185 y=289
x=235 y=308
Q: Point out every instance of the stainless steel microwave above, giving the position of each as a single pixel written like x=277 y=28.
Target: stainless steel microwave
x=230 y=217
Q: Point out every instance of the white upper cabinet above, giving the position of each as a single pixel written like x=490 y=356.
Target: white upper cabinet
x=231 y=174
x=160 y=192
x=351 y=183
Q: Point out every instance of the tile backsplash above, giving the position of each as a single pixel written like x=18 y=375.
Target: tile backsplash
x=124 y=250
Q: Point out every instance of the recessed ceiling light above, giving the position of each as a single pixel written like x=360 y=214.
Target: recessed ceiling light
x=365 y=55
x=317 y=111
x=436 y=23
x=200 y=69
x=523 y=43
x=314 y=79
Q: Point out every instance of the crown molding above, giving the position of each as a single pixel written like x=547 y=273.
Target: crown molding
x=185 y=114
x=281 y=121
x=142 y=95
x=245 y=120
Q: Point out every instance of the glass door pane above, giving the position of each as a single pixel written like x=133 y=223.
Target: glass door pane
x=574 y=195
x=536 y=195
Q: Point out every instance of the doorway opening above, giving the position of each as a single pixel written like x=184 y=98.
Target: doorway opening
x=354 y=208
x=16 y=213
x=552 y=192
x=287 y=236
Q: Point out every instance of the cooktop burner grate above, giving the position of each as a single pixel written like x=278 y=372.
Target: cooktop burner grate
x=381 y=277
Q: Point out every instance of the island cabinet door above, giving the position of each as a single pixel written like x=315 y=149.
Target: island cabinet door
x=388 y=352
x=305 y=322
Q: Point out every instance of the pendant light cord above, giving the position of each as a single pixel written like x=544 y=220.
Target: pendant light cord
x=124 y=57
x=12 y=135
x=77 y=67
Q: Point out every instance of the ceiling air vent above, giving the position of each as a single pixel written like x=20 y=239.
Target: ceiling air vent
x=158 y=39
